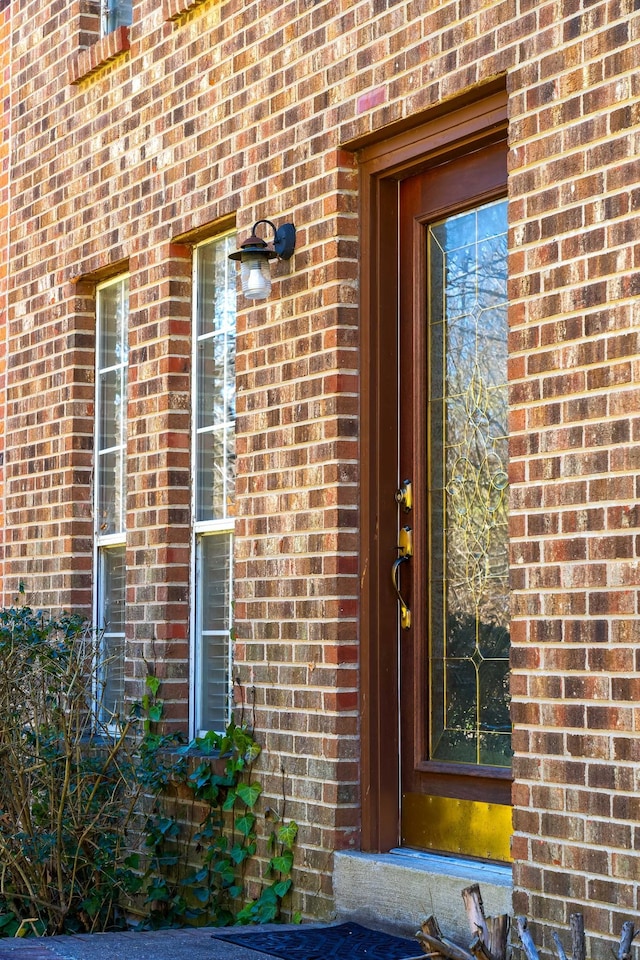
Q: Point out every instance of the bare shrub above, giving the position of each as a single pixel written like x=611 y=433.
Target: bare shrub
x=68 y=790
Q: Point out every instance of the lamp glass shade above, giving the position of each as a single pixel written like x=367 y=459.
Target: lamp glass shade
x=255 y=275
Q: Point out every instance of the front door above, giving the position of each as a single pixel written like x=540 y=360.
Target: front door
x=450 y=577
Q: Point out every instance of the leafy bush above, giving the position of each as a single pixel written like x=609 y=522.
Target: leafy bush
x=89 y=810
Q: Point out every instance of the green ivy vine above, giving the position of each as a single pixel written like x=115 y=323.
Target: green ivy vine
x=201 y=879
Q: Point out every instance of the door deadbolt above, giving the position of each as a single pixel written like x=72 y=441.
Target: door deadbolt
x=405 y=543
x=404 y=495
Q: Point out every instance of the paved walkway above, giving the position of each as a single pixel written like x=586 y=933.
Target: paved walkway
x=186 y=944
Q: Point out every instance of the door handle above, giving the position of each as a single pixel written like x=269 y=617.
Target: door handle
x=405 y=547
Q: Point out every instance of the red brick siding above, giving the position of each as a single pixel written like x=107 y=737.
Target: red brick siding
x=575 y=352
x=241 y=107
x=158 y=502
x=5 y=133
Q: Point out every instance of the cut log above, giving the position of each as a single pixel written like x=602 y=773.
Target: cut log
x=442 y=946
x=499 y=936
x=526 y=939
x=480 y=950
x=559 y=948
x=578 y=940
x=490 y=934
x=475 y=913
x=626 y=939
x=432 y=927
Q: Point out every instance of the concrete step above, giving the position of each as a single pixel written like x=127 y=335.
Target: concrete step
x=397 y=890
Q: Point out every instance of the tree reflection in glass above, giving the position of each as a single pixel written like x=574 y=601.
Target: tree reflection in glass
x=468 y=596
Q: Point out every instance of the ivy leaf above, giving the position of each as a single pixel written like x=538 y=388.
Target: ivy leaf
x=167 y=826
x=252 y=752
x=249 y=793
x=133 y=884
x=200 y=893
x=283 y=863
x=287 y=833
x=153 y=683
x=168 y=859
x=238 y=853
x=282 y=887
x=229 y=801
x=244 y=825
x=155 y=712
x=157 y=893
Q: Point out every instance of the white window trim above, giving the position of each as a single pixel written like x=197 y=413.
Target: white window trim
x=200 y=528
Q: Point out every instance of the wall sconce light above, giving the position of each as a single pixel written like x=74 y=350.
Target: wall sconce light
x=254 y=255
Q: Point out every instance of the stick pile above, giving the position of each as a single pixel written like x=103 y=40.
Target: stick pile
x=490 y=934
x=578 y=940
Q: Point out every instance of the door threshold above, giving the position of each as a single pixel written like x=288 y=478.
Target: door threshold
x=454 y=865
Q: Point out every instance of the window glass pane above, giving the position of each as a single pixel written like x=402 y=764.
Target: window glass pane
x=113 y=309
x=111 y=623
x=216 y=291
x=210 y=479
x=110 y=506
x=230 y=470
x=214 y=422
x=469 y=612
x=214 y=688
x=112 y=397
x=214 y=630
x=115 y=13
x=216 y=598
x=215 y=379
x=215 y=393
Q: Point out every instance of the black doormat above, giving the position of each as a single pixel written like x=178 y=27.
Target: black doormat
x=347 y=941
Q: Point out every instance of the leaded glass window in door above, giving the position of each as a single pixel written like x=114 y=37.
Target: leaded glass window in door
x=467 y=445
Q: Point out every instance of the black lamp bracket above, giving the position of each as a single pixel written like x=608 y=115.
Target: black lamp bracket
x=284 y=238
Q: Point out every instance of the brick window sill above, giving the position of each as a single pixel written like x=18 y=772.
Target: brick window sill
x=84 y=63
x=174 y=9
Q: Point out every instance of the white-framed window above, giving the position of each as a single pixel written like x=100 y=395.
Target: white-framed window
x=112 y=322
x=114 y=14
x=214 y=340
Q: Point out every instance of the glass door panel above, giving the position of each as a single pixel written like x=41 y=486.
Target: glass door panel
x=455 y=732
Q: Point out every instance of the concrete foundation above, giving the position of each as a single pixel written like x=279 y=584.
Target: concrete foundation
x=397 y=890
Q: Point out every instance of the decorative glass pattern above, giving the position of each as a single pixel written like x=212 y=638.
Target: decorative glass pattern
x=214 y=486
x=467 y=417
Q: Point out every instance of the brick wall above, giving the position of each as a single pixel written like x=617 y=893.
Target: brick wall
x=242 y=108
x=5 y=111
x=575 y=352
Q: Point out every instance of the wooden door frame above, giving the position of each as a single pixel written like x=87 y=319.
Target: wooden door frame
x=452 y=129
